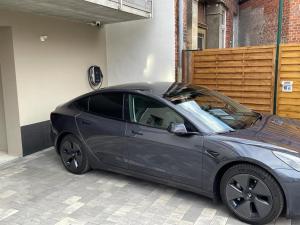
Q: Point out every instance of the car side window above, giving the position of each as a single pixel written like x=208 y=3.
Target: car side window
x=150 y=112
x=107 y=105
x=82 y=104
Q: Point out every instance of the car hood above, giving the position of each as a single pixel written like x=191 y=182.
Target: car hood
x=271 y=132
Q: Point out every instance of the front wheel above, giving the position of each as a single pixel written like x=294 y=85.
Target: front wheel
x=251 y=194
x=73 y=155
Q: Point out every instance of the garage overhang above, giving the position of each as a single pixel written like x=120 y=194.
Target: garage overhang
x=87 y=11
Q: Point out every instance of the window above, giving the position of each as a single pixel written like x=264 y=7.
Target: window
x=82 y=104
x=223 y=17
x=107 y=105
x=200 y=41
x=235 y=35
x=222 y=33
x=149 y=112
x=201 y=38
x=220 y=113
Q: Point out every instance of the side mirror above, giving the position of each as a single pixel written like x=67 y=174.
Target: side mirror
x=178 y=129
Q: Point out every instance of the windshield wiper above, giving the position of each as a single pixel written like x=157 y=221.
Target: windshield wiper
x=258 y=117
x=226 y=132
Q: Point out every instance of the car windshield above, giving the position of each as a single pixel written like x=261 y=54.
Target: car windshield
x=217 y=111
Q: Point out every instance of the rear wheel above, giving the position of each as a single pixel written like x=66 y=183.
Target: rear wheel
x=73 y=155
x=251 y=194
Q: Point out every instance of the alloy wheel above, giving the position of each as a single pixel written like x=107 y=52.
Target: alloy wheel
x=248 y=196
x=71 y=155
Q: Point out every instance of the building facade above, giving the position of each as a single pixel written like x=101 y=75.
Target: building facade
x=209 y=23
x=233 y=23
x=259 y=20
x=237 y=23
x=46 y=50
x=205 y=24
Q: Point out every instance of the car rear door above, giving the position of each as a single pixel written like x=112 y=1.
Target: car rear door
x=103 y=128
x=152 y=150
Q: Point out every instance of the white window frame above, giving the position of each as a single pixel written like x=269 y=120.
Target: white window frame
x=235 y=29
x=202 y=31
x=222 y=40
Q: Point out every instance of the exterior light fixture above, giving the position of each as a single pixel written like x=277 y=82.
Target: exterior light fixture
x=43 y=38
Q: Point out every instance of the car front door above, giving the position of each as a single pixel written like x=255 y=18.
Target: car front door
x=153 y=150
x=103 y=128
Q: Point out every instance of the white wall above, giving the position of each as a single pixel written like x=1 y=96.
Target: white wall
x=3 y=141
x=10 y=98
x=143 y=50
x=52 y=72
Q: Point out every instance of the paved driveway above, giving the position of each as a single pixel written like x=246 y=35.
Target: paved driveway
x=37 y=190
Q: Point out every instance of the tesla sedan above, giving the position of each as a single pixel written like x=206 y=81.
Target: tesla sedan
x=188 y=137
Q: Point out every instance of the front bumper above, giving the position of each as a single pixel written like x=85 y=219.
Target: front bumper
x=290 y=182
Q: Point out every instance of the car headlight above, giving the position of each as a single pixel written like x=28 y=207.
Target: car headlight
x=292 y=160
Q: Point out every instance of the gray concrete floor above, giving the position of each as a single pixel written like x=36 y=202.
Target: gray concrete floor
x=38 y=190
x=4 y=157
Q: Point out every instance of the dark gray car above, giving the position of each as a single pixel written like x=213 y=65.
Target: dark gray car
x=188 y=137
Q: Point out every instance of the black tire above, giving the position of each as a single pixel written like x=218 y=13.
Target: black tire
x=73 y=155
x=251 y=194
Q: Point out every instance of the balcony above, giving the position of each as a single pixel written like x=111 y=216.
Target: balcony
x=86 y=11
x=141 y=5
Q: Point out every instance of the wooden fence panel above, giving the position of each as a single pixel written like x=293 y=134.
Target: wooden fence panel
x=289 y=70
x=244 y=74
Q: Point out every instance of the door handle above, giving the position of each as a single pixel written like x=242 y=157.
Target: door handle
x=136 y=132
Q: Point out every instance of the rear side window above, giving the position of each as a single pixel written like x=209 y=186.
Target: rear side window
x=82 y=104
x=107 y=104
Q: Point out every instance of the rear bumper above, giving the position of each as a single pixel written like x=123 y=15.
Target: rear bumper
x=290 y=182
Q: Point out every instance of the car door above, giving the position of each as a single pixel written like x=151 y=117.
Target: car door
x=153 y=150
x=103 y=128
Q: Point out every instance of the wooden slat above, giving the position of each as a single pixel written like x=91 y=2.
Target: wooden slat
x=289 y=69
x=248 y=94
x=247 y=75
x=290 y=75
x=293 y=115
x=289 y=108
x=244 y=74
x=290 y=61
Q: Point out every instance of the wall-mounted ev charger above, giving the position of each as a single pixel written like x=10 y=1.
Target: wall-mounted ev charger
x=95 y=77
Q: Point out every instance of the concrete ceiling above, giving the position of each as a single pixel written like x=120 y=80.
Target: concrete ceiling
x=87 y=11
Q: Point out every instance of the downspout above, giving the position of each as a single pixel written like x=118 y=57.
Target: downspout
x=279 y=31
x=120 y=4
x=180 y=39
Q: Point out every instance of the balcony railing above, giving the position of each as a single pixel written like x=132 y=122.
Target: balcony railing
x=143 y=5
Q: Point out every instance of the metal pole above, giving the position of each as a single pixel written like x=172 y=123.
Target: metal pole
x=279 y=30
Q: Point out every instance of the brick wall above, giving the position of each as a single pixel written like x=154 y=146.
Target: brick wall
x=259 y=21
x=294 y=21
x=201 y=13
x=285 y=22
x=232 y=10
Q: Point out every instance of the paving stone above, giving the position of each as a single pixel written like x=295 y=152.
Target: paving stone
x=37 y=190
x=296 y=222
x=7 y=194
x=193 y=213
